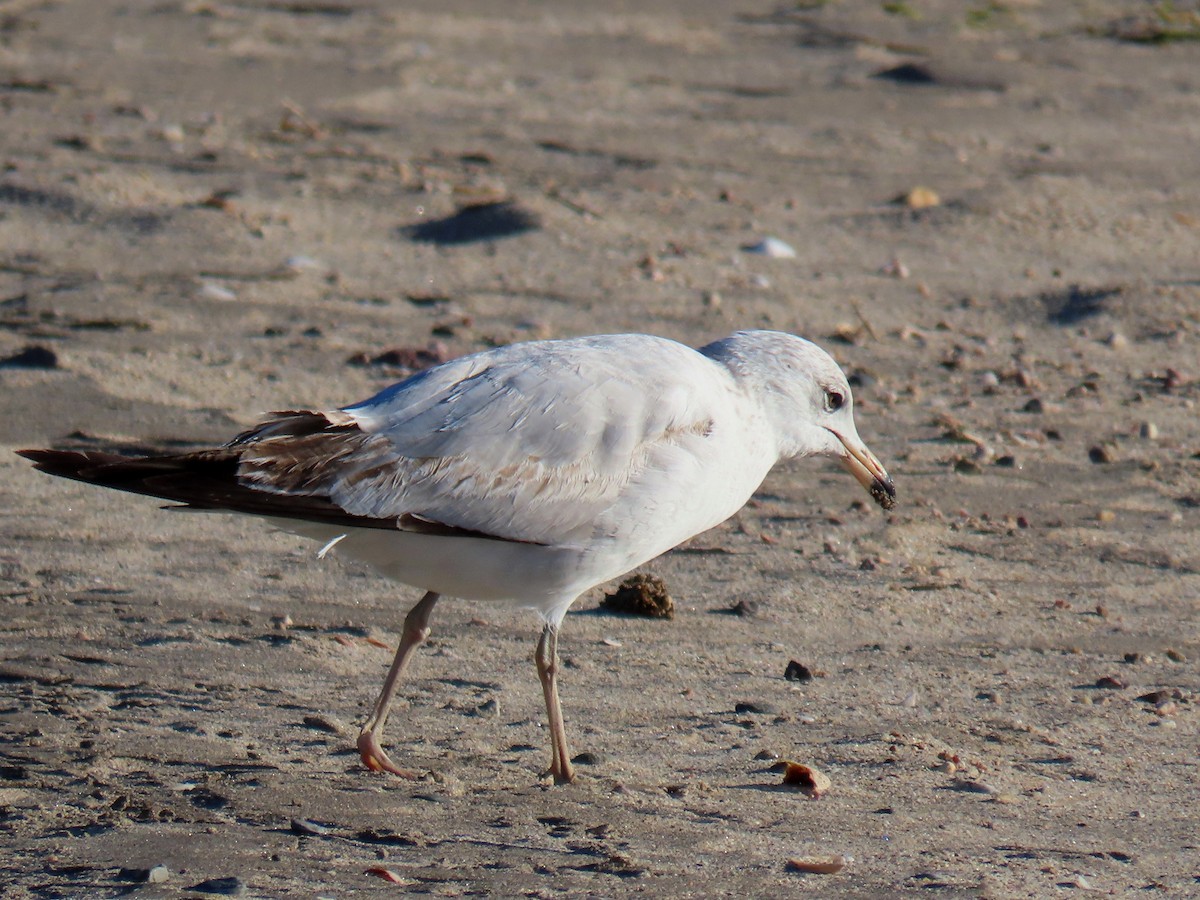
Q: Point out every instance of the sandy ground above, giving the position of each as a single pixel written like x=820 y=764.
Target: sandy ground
x=213 y=209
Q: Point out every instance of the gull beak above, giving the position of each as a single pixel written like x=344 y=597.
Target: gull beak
x=862 y=464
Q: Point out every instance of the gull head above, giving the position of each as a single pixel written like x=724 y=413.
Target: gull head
x=807 y=400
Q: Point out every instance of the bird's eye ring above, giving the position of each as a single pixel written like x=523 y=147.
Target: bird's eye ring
x=834 y=400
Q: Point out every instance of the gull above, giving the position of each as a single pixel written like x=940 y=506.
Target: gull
x=527 y=474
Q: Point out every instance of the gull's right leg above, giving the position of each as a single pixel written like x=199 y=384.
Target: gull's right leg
x=547 y=662
x=416 y=630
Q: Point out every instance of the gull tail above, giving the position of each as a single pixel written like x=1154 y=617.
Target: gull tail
x=206 y=479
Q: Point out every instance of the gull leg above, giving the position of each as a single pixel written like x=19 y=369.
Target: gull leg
x=416 y=629
x=547 y=666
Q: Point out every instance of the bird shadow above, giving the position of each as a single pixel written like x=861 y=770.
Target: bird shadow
x=475 y=223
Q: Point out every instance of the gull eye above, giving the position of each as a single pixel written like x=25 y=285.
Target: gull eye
x=834 y=400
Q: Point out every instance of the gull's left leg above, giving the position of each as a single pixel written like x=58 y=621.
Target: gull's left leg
x=547 y=666
x=416 y=629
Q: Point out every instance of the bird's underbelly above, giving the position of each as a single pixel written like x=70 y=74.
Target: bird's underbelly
x=529 y=575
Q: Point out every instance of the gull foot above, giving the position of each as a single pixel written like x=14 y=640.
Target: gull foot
x=559 y=777
x=376 y=760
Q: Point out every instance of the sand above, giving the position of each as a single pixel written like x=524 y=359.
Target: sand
x=210 y=210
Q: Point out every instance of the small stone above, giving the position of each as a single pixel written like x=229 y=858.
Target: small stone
x=1162 y=696
x=1110 y=683
x=1035 y=405
x=213 y=291
x=797 y=671
x=1101 y=453
x=308 y=826
x=921 y=198
x=154 y=875
x=1106 y=515
x=810 y=781
x=1148 y=431
x=386 y=874
x=771 y=247
x=758 y=709
x=32 y=357
x=301 y=263
x=971 y=786
x=810 y=865
x=1175 y=656
x=746 y=609
x=967 y=467
x=588 y=758
x=328 y=724
x=1007 y=461
x=1117 y=341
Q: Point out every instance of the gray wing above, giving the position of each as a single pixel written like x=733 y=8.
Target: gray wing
x=531 y=443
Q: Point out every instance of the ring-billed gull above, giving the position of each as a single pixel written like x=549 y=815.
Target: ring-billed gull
x=528 y=473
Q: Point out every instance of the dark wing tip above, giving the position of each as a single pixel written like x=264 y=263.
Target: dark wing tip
x=67 y=463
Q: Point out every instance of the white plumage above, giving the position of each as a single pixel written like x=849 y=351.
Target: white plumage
x=528 y=473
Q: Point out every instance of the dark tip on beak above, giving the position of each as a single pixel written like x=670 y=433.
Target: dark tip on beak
x=883 y=493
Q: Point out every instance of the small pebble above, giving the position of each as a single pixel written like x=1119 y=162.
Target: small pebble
x=921 y=198
x=153 y=875
x=746 y=609
x=810 y=781
x=970 y=786
x=386 y=874
x=761 y=709
x=328 y=724
x=216 y=292
x=1148 y=431
x=1101 y=453
x=301 y=263
x=811 y=865
x=31 y=357
x=797 y=671
x=771 y=247
x=308 y=826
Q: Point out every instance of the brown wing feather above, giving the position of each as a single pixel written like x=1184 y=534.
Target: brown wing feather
x=203 y=480
x=292 y=459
